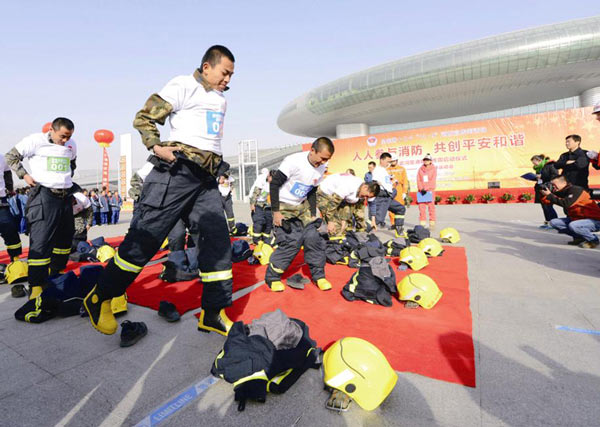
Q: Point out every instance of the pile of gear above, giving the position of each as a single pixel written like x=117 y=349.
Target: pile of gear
x=375 y=280
x=270 y=354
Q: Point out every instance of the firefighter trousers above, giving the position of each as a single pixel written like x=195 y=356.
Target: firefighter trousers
x=181 y=190
x=228 y=208
x=51 y=229
x=289 y=244
x=9 y=230
x=262 y=223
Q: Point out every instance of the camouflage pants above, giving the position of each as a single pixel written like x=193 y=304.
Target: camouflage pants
x=336 y=211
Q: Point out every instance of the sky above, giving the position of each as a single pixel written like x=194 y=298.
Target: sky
x=96 y=62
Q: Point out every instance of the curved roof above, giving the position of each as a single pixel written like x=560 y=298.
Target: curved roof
x=509 y=70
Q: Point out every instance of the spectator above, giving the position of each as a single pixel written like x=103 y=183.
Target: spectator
x=545 y=172
x=369 y=174
x=574 y=163
x=426 y=183
x=104 y=209
x=115 y=203
x=96 y=204
x=384 y=201
x=351 y=172
x=22 y=197
x=400 y=181
x=583 y=214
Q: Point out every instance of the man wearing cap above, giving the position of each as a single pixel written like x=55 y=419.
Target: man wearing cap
x=400 y=182
x=384 y=201
x=426 y=182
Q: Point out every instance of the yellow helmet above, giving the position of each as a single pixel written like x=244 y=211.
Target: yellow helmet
x=449 y=235
x=419 y=288
x=356 y=367
x=16 y=272
x=431 y=247
x=414 y=257
x=105 y=253
x=266 y=251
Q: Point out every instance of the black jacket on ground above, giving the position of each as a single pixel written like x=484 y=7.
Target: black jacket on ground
x=576 y=173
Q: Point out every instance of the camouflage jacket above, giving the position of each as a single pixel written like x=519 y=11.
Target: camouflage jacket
x=157 y=110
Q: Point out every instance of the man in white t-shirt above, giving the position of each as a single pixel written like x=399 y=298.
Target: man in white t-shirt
x=225 y=186
x=294 y=205
x=8 y=222
x=182 y=185
x=341 y=197
x=82 y=216
x=260 y=205
x=49 y=209
x=385 y=202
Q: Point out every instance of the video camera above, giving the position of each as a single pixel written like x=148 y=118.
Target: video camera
x=595 y=193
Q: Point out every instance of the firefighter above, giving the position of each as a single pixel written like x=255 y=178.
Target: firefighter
x=8 y=222
x=294 y=204
x=49 y=210
x=182 y=185
x=260 y=205
x=384 y=202
x=340 y=198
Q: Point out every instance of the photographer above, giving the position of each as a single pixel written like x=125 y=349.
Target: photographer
x=583 y=214
x=545 y=172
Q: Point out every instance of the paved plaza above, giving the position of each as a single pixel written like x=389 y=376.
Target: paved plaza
x=524 y=282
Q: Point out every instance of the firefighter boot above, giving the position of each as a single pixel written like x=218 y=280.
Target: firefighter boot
x=324 y=284
x=214 y=320
x=100 y=313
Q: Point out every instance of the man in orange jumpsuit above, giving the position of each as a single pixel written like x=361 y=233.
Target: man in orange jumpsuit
x=400 y=182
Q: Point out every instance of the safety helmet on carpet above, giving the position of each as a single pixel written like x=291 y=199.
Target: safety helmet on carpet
x=414 y=257
x=431 y=247
x=105 y=253
x=419 y=288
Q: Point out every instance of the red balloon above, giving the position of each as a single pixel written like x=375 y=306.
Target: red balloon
x=104 y=136
x=46 y=128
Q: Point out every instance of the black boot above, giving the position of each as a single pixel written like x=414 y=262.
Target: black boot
x=214 y=320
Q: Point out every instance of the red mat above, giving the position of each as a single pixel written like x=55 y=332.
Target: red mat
x=436 y=343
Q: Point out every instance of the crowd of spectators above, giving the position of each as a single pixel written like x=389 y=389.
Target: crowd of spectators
x=106 y=206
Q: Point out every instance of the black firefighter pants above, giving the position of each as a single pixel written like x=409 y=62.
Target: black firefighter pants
x=9 y=230
x=185 y=191
x=228 y=208
x=262 y=223
x=289 y=244
x=51 y=229
x=383 y=204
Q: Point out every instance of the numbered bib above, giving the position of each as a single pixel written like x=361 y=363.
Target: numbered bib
x=58 y=164
x=214 y=123
x=300 y=190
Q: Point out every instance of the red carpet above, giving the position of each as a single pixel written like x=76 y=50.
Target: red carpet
x=436 y=343
x=112 y=241
x=148 y=290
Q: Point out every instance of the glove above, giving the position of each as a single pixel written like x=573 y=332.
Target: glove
x=593 y=155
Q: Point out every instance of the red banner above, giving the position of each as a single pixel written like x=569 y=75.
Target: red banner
x=105 y=169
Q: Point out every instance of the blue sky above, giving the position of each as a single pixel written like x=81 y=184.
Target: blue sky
x=96 y=62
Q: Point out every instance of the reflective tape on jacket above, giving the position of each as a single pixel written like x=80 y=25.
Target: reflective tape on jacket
x=15 y=246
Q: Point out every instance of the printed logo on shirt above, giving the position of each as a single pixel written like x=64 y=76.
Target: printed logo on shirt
x=59 y=164
x=300 y=190
x=214 y=123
